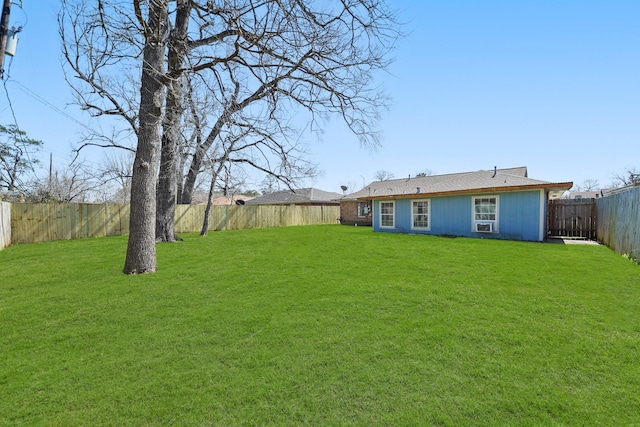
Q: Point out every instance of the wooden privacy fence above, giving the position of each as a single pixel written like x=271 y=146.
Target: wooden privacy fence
x=189 y=218
x=572 y=218
x=43 y=222
x=619 y=221
x=32 y=223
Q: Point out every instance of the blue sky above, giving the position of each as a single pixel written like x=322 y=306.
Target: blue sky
x=552 y=85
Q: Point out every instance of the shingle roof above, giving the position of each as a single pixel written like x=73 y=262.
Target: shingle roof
x=301 y=195
x=465 y=182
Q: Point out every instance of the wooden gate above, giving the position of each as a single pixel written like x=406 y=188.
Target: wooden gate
x=572 y=218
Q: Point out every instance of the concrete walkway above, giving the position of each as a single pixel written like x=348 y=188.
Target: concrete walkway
x=570 y=240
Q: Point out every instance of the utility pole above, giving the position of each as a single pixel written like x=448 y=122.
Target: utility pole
x=50 y=170
x=4 y=29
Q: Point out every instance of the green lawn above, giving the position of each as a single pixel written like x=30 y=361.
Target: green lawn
x=319 y=325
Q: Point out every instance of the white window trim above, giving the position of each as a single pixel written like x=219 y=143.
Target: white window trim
x=394 y=214
x=496 y=222
x=428 y=228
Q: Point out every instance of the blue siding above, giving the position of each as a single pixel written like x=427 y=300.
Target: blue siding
x=519 y=216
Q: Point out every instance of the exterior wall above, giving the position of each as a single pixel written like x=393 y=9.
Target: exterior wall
x=5 y=224
x=520 y=216
x=349 y=214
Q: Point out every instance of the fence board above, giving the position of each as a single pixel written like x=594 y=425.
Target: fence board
x=30 y=223
x=189 y=218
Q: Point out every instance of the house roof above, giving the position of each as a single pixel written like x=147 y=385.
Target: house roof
x=298 y=196
x=511 y=179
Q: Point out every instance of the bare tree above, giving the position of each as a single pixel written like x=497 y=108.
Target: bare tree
x=588 y=185
x=116 y=171
x=267 y=59
x=255 y=148
x=287 y=56
x=75 y=184
x=245 y=138
x=383 y=175
x=102 y=43
x=630 y=175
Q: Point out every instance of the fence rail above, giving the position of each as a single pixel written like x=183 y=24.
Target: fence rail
x=619 y=221
x=32 y=223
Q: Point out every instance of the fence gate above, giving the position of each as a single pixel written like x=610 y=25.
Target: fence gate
x=572 y=218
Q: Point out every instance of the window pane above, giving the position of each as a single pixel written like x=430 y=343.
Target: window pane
x=420 y=214
x=421 y=221
x=485 y=209
x=386 y=214
x=362 y=209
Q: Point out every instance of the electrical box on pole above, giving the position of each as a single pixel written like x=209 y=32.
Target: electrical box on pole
x=12 y=41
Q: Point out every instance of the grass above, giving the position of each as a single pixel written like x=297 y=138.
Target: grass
x=319 y=325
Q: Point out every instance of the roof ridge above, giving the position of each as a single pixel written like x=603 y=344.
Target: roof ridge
x=417 y=177
x=447 y=174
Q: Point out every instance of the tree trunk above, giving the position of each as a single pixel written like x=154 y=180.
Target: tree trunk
x=198 y=157
x=207 y=211
x=190 y=179
x=141 y=249
x=167 y=191
x=167 y=177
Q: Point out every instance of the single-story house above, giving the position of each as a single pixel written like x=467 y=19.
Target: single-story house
x=301 y=196
x=498 y=203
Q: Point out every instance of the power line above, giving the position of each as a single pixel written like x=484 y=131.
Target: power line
x=68 y=158
x=15 y=122
x=49 y=105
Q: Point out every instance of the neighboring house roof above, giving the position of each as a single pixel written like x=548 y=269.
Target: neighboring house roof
x=298 y=196
x=590 y=194
x=230 y=200
x=511 y=179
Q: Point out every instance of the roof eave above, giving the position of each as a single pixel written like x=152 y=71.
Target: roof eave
x=556 y=186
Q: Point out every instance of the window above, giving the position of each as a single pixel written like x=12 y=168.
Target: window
x=362 y=209
x=485 y=211
x=420 y=214
x=387 y=214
